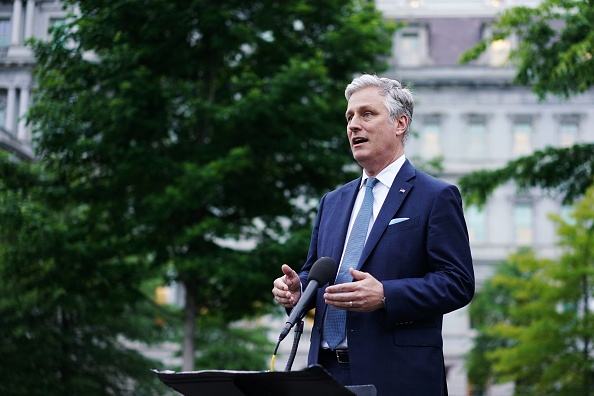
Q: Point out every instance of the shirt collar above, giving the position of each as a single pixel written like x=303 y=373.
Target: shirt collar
x=388 y=174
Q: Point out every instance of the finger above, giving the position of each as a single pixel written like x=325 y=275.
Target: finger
x=277 y=292
x=341 y=288
x=291 y=279
x=343 y=304
x=338 y=297
x=359 y=275
x=283 y=298
x=279 y=283
x=288 y=271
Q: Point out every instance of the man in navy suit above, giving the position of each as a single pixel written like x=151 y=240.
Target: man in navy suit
x=415 y=266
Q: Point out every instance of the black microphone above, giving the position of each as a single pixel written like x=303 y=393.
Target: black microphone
x=322 y=272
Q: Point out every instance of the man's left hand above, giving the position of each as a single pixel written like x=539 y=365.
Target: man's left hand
x=364 y=294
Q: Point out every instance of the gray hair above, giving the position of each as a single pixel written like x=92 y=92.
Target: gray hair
x=398 y=100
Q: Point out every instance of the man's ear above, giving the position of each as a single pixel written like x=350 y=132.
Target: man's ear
x=401 y=123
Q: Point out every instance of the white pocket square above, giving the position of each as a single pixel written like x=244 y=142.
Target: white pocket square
x=398 y=220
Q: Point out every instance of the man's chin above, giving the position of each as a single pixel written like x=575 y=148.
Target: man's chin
x=362 y=159
x=359 y=152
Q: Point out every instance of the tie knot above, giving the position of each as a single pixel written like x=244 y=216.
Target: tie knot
x=371 y=182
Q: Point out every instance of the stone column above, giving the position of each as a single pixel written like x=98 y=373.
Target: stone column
x=29 y=18
x=9 y=123
x=22 y=130
x=17 y=11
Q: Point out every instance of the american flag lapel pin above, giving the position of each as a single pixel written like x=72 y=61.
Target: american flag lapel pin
x=402 y=190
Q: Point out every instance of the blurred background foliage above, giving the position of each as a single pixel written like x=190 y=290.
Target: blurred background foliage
x=534 y=316
x=177 y=141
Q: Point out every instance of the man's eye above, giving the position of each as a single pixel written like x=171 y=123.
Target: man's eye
x=367 y=114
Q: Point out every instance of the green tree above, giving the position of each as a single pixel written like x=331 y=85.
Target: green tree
x=554 y=56
x=65 y=306
x=239 y=346
x=489 y=307
x=555 y=45
x=536 y=316
x=180 y=125
x=565 y=172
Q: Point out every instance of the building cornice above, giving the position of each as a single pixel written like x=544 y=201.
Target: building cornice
x=21 y=149
x=475 y=76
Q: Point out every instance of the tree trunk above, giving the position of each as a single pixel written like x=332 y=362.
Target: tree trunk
x=188 y=345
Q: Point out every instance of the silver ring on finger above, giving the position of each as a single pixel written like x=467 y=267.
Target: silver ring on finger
x=351 y=304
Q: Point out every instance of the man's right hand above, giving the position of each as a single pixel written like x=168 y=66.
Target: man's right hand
x=287 y=288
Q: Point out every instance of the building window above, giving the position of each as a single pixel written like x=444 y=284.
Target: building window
x=476 y=139
x=57 y=22
x=5 y=32
x=410 y=46
x=523 y=224
x=522 y=138
x=431 y=139
x=497 y=54
x=499 y=51
x=476 y=223
x=568 y=131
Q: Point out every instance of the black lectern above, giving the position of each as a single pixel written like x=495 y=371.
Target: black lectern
x=312 y=381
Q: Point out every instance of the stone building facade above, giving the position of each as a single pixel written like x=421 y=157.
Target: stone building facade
x=20 y=20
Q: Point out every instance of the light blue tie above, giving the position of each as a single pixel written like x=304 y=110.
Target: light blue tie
x=335 y=324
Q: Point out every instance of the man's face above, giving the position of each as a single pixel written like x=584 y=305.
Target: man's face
x=375 y=142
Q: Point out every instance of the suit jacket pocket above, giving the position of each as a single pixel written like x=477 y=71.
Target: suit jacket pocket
x=418 y=337
x=403 y=225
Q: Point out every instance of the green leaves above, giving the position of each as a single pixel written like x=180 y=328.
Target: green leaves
x=231 y=346
x=555 y=50
x=565 y=172
x=65 y=303
x=534 y=316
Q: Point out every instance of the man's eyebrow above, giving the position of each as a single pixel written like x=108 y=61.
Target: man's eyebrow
x=363 y=107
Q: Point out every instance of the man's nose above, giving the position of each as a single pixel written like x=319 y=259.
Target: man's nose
x=354 y=124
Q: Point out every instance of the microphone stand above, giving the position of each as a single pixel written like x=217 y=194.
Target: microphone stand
x=298 y=331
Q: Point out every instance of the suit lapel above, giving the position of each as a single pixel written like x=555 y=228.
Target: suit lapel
x=401 y=187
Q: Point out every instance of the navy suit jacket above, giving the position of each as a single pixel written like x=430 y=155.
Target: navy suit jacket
x=426 y=268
